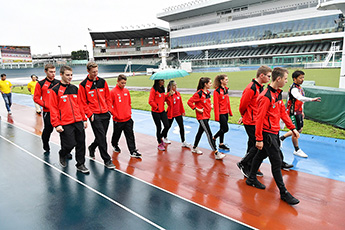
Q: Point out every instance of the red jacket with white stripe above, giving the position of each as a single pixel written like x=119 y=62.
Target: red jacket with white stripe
x=156 y=101
x=270 y=109
x=201 y=100
x=221 y=102
x=175 y=105
x=42 y=90
x=95 y=96
x=248 y=104
x=65 y=105
x=121 y=104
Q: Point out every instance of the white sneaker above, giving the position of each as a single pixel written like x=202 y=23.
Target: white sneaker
x=219 y=155
x=197 y=151
x=186 y=145
x=166 y=141
x=300 y=153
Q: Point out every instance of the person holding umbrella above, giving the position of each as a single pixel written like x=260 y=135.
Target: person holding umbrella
x=175 y=111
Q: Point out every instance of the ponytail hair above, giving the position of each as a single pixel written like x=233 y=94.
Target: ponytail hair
x=217 y=81
x=202 y=82
x=170 y=84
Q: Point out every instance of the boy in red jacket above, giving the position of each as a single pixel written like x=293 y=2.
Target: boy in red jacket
x=122 y=116
x=68 y=118
x=270 y=110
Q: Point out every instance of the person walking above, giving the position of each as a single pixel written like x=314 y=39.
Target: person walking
x=221 y=108
x=41 y=97
x=122 y=116
x=159 y=115
x=201 y=103
x=175 y=111
x=270 y=110
x=68 y=118
x=5 y=90
x=31 y=88
x=94 y=95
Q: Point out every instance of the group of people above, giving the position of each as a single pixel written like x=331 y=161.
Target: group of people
x=66 y=109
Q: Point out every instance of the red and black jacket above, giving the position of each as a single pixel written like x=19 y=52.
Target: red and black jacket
x=175 y=105
x=221 y=102
x=248 y=103
x=42 y=90
x=294 y=106
x=121 y=104
x=270 y=109
x=95 y=96
x=65 y=105
x=156 y=101
x=200 y=100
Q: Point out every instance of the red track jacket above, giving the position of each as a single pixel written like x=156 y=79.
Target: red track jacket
x=65 y=105
x=121 y=104
x=200 y=100
x=221 y=102
x=95 y=96
x=248 y=104
x=270 y=109
x=42 y=90
x=175 y=105
x=156 y=100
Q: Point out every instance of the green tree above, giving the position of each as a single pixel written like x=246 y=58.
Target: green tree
x=80 y=55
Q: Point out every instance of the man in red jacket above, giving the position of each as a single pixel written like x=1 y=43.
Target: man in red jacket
x=95 y=97
x=122 y=116
x=41 y=97
x=68 y=118
x=270 y=110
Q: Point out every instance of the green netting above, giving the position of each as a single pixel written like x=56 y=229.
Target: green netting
x=330 y=110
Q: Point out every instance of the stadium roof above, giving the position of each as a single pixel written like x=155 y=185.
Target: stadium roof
x=194 y=9
x=126 y=34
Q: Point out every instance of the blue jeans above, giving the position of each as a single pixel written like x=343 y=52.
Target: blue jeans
x=8 y=100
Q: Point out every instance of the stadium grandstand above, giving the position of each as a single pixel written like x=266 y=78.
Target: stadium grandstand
x=219 y=33
x=135 y=47
x=15 y=57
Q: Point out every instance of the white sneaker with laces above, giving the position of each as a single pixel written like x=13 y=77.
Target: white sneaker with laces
x=166 y=141
x=186 y=145
x=300 y=153
x=197 y=151
x=219 y=155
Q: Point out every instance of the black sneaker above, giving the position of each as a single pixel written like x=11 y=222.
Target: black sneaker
x=117 y=149
x=224 y=147
x=109 y=165
x=244 y=170
x=69 y=156
x=255 y=183
x=91 y=152
x=288 y=198
x=286 y=165
x=62 y=161
x=83 y=169
x=260 y=174
x=135 y=154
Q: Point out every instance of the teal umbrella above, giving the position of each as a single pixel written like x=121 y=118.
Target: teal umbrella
x=169 y=74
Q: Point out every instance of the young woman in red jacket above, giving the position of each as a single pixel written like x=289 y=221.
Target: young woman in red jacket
x=156 y=101
x=201 y=103
x=221 y=108
x=175 y=111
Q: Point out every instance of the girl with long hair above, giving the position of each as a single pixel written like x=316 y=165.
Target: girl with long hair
x=201 y=103
x=221 y=108
x=157 y=101
x=175 y=111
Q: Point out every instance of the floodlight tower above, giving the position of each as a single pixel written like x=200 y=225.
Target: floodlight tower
x=336 y=5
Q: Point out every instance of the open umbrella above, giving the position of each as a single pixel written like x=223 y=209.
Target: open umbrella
x=169 y=74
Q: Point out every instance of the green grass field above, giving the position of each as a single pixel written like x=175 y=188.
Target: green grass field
x=237 y=81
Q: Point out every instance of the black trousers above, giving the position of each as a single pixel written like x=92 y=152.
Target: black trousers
x=127 y=128
x=204 y=127
x=73 y=136
x=158 y=118
x=100 y=126
x=224 y=127
x=271 y=150
x=47 y=131
x=179 y=121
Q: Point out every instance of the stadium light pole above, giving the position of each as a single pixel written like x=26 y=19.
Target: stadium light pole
x=87 y=55
x=60 y=51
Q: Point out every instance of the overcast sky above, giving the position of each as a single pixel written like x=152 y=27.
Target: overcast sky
x=46 y=24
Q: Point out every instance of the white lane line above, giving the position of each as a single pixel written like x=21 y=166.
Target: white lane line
x=85 y=185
